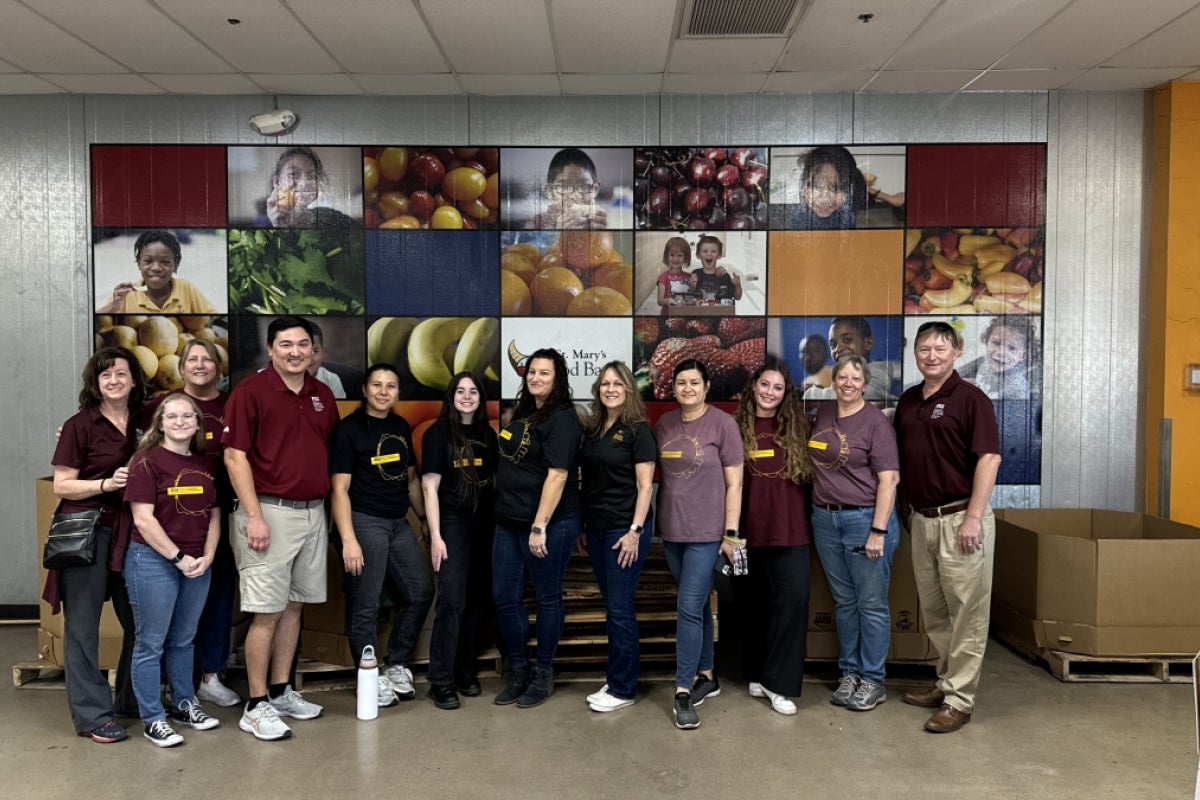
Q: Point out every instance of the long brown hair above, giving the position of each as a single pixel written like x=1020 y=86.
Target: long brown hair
x=466 y=493
x=560 y=392
x=793 y=425
x=633 y=410
x=101 y=361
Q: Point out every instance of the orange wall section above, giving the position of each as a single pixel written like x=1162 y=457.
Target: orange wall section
x=1173 y=301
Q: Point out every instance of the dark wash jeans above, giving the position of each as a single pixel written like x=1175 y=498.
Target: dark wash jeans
x=618 y=586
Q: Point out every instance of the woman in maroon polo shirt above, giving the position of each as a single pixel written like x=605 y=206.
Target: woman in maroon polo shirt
x=776 y=528
x=90 y=471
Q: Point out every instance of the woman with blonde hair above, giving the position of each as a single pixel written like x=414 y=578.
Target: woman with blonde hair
x=776 y=528
x=617 y=465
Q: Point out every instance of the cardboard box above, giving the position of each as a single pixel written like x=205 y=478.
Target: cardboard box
x=53 y=623
x=905 y=647
x=1094 y=582
x=50 y=648
x=902 y=594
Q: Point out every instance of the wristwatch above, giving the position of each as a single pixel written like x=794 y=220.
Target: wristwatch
x=730 y=533
x=538 y=529
x=178 y=557
x=635 y=528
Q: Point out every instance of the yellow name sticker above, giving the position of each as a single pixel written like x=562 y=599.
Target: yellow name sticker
x=756 y=454
x=670 y=454
x=815 y=445
x=387 y=458
x=208 y=435
x=469 y=462
x=175 y=491
x=506 y=434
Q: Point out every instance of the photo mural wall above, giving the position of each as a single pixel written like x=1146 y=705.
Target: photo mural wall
x=438 y=259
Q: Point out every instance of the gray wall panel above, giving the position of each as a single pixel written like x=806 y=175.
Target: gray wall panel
x=1095 y=250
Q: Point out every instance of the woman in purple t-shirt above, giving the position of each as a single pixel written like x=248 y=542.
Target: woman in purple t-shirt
x=775 y=525
x=699 y=502
x=855 y=527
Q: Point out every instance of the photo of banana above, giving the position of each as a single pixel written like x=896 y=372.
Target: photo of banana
x=428 y=352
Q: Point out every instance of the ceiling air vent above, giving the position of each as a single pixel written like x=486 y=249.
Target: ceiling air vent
x=723 y=18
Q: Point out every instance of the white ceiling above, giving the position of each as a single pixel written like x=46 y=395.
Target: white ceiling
x=588 y=47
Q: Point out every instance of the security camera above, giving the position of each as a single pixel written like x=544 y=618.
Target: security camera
x=273 y=123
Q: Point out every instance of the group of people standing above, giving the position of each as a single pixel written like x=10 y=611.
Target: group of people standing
x=498 y=512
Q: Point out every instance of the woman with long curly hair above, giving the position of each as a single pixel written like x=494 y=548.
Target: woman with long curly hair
x=776 y=528
x=537 y=522
x=459 y=479
x=617 y=465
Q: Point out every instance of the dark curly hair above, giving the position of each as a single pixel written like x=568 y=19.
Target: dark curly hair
x=792 y=433
x=101 y=361
x=560 y=393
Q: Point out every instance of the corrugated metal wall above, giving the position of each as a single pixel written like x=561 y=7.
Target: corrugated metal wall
x=1092 y=451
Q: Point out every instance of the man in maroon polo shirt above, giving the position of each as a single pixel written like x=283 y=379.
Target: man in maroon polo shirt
x=949 y=456
x=277 y=428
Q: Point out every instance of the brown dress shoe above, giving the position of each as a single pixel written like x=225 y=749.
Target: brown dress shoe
x=932 y=697
x=947 y=719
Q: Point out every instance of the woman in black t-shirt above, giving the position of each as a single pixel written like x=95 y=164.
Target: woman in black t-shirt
x=537 y=521
x=459 y=482
x=617 y=464
x=374 y=483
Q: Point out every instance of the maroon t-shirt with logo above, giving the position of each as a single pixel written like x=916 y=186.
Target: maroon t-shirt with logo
x=774 y=508
x=182 y=490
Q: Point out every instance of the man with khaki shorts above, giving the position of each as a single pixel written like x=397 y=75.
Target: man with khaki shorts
x=277 y=428
x=949 y=455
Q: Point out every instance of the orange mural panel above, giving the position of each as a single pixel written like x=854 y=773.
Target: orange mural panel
x=835 y=272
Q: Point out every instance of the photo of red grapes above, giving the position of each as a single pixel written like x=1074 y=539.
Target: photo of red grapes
x=700 y=188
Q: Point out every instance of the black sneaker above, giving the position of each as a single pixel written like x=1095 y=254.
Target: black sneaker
x=444 y=696
x=518 y=680
x=705 y=688
x=686 y=717
x=468 y=686
x=541 y=685
x=162 y=735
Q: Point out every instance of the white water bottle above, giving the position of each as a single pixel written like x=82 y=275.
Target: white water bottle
x=368 y=684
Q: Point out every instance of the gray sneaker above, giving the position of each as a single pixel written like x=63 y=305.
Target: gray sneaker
x=292 y=704
x=705 y=688
x=866 y=696
x=401 y=681
x=686 y=717
x=845 y=689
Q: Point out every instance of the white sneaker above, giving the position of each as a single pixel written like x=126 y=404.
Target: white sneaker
x=387 y=695
x=780 y=703
x=597 y=695
x=217 y=693
x=605 y=702
x=192 y=715
x=263 y=721
x=162 y=734
x=292 y=704
x=401 y=681
x=756 y=690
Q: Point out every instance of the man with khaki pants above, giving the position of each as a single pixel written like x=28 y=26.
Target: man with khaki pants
x=949 y=456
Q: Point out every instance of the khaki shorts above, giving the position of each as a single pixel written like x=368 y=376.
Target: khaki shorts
x=292 y=568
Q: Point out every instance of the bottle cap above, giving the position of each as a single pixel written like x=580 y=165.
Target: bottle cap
x=368 y=658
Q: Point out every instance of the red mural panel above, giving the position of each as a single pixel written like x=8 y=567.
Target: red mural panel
x=158 y=186
x=967 y=185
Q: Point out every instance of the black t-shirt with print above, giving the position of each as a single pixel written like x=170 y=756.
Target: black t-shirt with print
x=607 y=465
x=437 y=459
x=376 y=453
x=527 y=453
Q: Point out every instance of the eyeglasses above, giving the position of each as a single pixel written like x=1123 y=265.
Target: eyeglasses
x=574 y=189
x=189 y=417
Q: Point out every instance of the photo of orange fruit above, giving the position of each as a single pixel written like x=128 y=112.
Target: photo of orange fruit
x=515 y=300
x=599 y=301
x=580 y=273
x=553 y=289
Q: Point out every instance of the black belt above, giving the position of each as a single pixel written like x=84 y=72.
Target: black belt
x=832 y=507
x=944 y=511
x=283 y=502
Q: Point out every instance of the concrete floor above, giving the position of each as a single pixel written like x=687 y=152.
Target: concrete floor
x=1033 y=737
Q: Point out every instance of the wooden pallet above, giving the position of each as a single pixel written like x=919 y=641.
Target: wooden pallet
x=39 y=674
x=1075 y=668
x=317 y=676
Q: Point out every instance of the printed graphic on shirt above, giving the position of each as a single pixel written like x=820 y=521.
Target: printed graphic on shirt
x=681 y=455
x=515 y=445
x=766 y=460
x=391 y=458
x=828 y=448
x=188 y=492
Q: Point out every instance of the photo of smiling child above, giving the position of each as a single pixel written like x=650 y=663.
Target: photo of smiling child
x=1009 y=359
x=157 y=254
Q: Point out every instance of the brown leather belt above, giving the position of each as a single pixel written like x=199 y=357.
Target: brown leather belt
x=944 y=511
x=833 y=507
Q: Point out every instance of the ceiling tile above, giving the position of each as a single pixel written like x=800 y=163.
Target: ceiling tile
x=441 y=83
x=372 y=36
x=725 y=55
x=1174 y=45
x=206 y=84
x=1121 y=78
x=645 y=83
x=133 y=33
x=1087 y=34
x=511 y=84
x=600 y=35
x=817 y=82
x=268 y=39
x=921 y=80
x=969 y=34
x=26 y=84
x=306 y=84
x=512 y=37
x=107 y=84
x=1024 y=80
x=829 y=33
x=33 y=44
x=729 y=83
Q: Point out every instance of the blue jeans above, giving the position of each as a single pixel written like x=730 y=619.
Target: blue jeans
x=859 y=586
x=512 y=567
x=166 y=608
x=692 y=563
x=618 y=587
